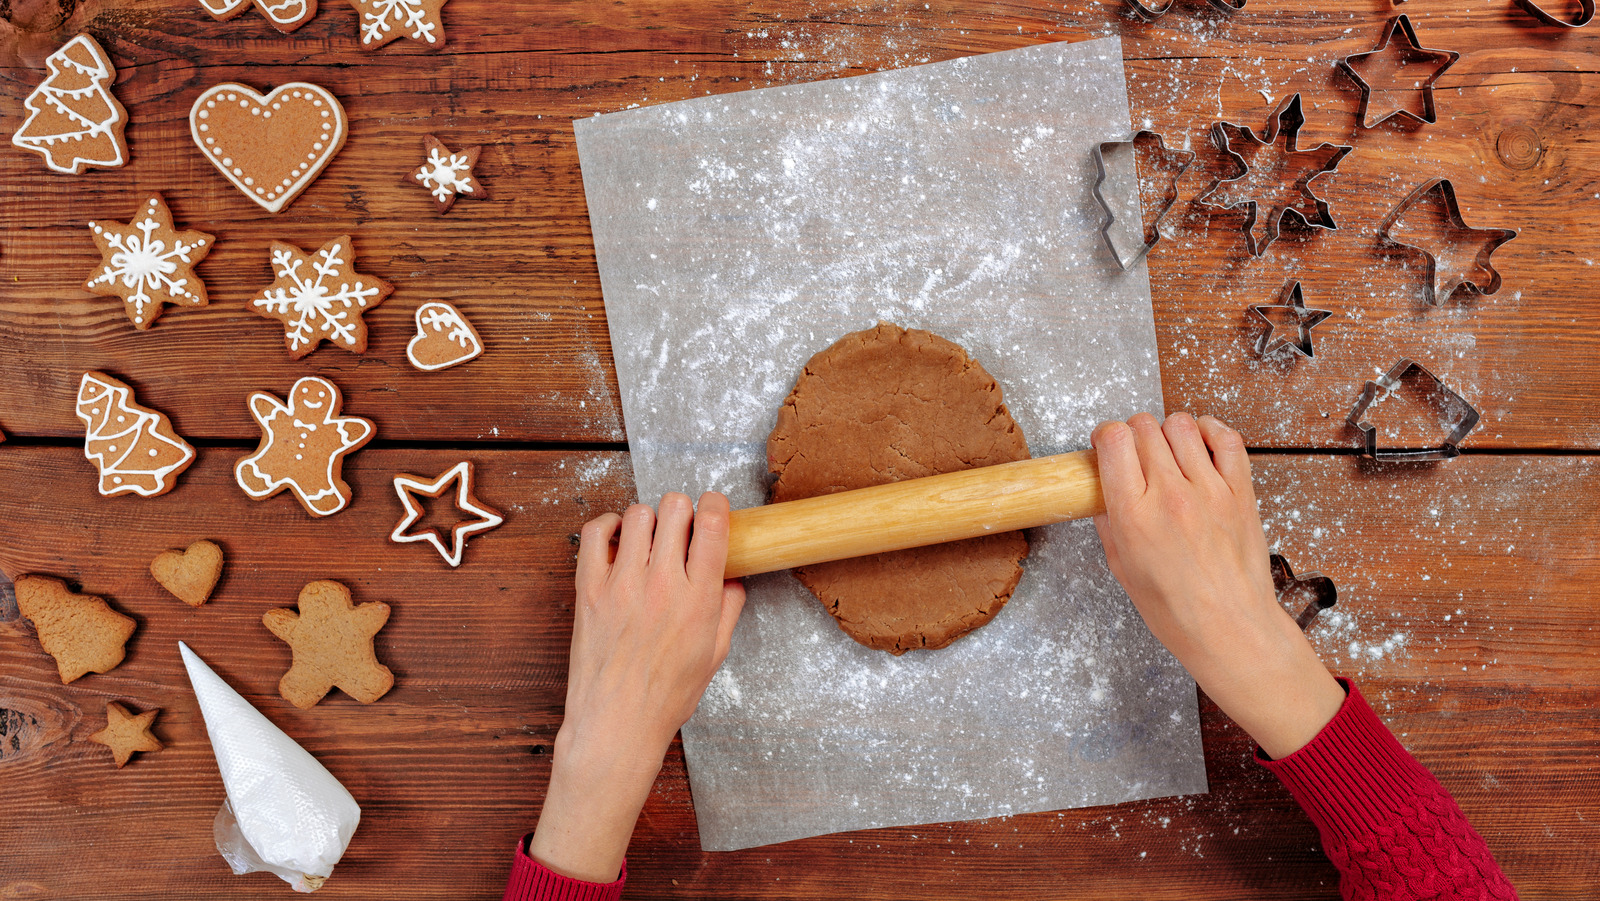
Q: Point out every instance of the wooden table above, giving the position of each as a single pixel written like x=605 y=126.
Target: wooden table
x=1466 y=600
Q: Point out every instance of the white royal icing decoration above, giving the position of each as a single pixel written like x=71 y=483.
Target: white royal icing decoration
x=317 y=304
x=147 y=264
x=313 y=406
x=438 y=321
x=446 y=174
x=108 y=412
x=90 y=107
x=461 y=473
x=408 y=14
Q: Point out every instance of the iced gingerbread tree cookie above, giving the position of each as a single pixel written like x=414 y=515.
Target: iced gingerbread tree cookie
x=303 y=446
x=320 y=297
x=270 y=147
x=134 y=447
x=73 y=120
x=149 y=263
x=285 y=15
x=385 y=20
x=448 y=176
x=444 y=338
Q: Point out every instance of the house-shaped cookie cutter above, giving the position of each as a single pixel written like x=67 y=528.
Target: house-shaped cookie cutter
x=1454 y=413
x=1124 y=229
x=1151 y=11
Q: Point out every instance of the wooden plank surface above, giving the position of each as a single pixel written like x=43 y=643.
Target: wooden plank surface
x=1472 y=632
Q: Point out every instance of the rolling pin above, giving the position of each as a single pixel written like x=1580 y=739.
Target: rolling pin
x=914 y=513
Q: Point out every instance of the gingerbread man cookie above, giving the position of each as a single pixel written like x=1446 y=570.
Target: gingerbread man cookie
x=285 y=15
x=134 y=447
x=126 y=734
x=320 y=297
x=270 y=147
x=385 y=20
x=448 y=176
x=332 y=642
x=80 y=631
x=73 y=120
x=303 y=446
x=149 y=262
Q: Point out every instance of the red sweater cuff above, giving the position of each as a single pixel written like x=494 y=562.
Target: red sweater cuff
x=533 y=881
x=1354 y=775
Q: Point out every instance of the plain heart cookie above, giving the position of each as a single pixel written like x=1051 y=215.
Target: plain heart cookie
x=271 y=147
x=444 y=338
x=189 y=574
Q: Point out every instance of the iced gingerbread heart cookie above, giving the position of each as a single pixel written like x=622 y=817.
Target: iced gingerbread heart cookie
x=303 y=446
x=271 y=147
x=285 y=15
x=134 y=447
x=444 y=338
x=149 y=263
x=73 y=120
x=385 y=20
x=320 y=297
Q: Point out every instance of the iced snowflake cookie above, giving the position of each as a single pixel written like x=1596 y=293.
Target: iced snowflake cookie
x=285 y=15
x=448 y=176
x=149 y=263
x=134 y=447
x=271 y=147
x=303 y=446
x=73 y=120
x=444 y=338
x=320 y=297
x=385 y=20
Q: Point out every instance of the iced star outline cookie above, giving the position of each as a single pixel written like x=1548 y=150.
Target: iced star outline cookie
x=448 y=176
x=285 y=15
x=408 y=487
x=273 y=146
x=444 y=338
x=74 y=107
x=320 y=297
x=303 y=446
x=134 y=447
x=383 y=21
x=149 y=263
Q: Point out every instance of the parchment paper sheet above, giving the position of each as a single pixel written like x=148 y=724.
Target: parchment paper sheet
x=739 y=234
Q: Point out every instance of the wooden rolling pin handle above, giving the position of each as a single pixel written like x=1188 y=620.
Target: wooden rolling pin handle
x=914 y=513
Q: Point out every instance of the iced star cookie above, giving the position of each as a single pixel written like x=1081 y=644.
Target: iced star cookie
x=448 y=176
x=303 y=446
x=270 y=147
x=134 y=447
x=320 y=297
x=385 y=20
x=444 y=338
x=73 y=120
x=285 y=15
x=149 y=263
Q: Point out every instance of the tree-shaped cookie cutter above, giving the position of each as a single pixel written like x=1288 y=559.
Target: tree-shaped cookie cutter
x=1128 y=232
x=1454 y=413
x=1400 y=24
x=1495 y=237
x=1584 y=17
x=1324 y=593
x=1151 y=11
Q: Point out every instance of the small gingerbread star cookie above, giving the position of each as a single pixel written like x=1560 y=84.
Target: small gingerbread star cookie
x=385 y=20
x=303 y=446
x=332 y=642
x=149 y=262
x=126 y=734
x=320 y=297
x=448 y=176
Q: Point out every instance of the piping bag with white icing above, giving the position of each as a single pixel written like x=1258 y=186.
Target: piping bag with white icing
x=285 y=813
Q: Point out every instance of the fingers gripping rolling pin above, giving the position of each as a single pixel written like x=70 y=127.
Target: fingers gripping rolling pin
x=913 y=513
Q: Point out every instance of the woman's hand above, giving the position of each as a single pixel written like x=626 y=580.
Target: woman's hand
x=650 y=630
x=1182 y=535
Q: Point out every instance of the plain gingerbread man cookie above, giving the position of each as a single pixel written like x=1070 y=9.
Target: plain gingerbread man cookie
x=303 y=446
x=332 y=642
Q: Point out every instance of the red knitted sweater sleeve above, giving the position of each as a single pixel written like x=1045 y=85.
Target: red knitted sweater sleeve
x=1388 y=825
x=533 y=881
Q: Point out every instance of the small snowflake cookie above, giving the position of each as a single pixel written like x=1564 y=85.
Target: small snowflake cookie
x=134 y=447
x=270 y=147
x=303 y=446
x=385 y=20
x=444 y=338
x=448 y=176
x=285 y=15
x=149 y=262
x=320 y=297
x=73 y=120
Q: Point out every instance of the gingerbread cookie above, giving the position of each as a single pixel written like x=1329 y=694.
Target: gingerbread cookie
x=149 y=262
x=189 y=574
x=320 y=297
x=444 y=338
x=332 y=642
x=73 y=120
x=126 y=734
x=80 y=631
x=385 y=20
x=134 y=447
x=303 y=446
x=271 y=147
x=285 y=15
x=410 y=487
x=447 y=175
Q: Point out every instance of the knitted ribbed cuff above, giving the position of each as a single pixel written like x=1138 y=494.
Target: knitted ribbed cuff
x=1354 y=774
x=532 y=881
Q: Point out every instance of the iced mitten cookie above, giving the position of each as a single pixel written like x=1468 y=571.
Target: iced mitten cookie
x=73 y=120
x=126 y=734
x=285 y=15
x=320 y=297
x=448 y=176
x=148 y=263
x=134 y=447
x=385 y=20
x=444 y=338
x=270 y=147
x=303 y=446
x=332 y=642
x=80 y=631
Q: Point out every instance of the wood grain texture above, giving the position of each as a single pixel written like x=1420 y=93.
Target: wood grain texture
x=1492 y=683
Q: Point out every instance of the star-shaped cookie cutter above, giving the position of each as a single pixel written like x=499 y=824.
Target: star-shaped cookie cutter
x=1453 y=410
x=408 y=486
x=1400 y=25
x=1584 y=17
x=1153 y=11
x=1441 y=287
x=1294 y=300
x=1122 y=208
x=1324 y=593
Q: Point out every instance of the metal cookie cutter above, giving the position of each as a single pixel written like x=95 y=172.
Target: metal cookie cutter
x=1454 y=413
x=1584 y=17
x=1130 y=234
x=1440 y=287
x=1324 y=593
x=1402 y=25
x=1294 y=300
x=1285 y=122
x=1151 y=11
